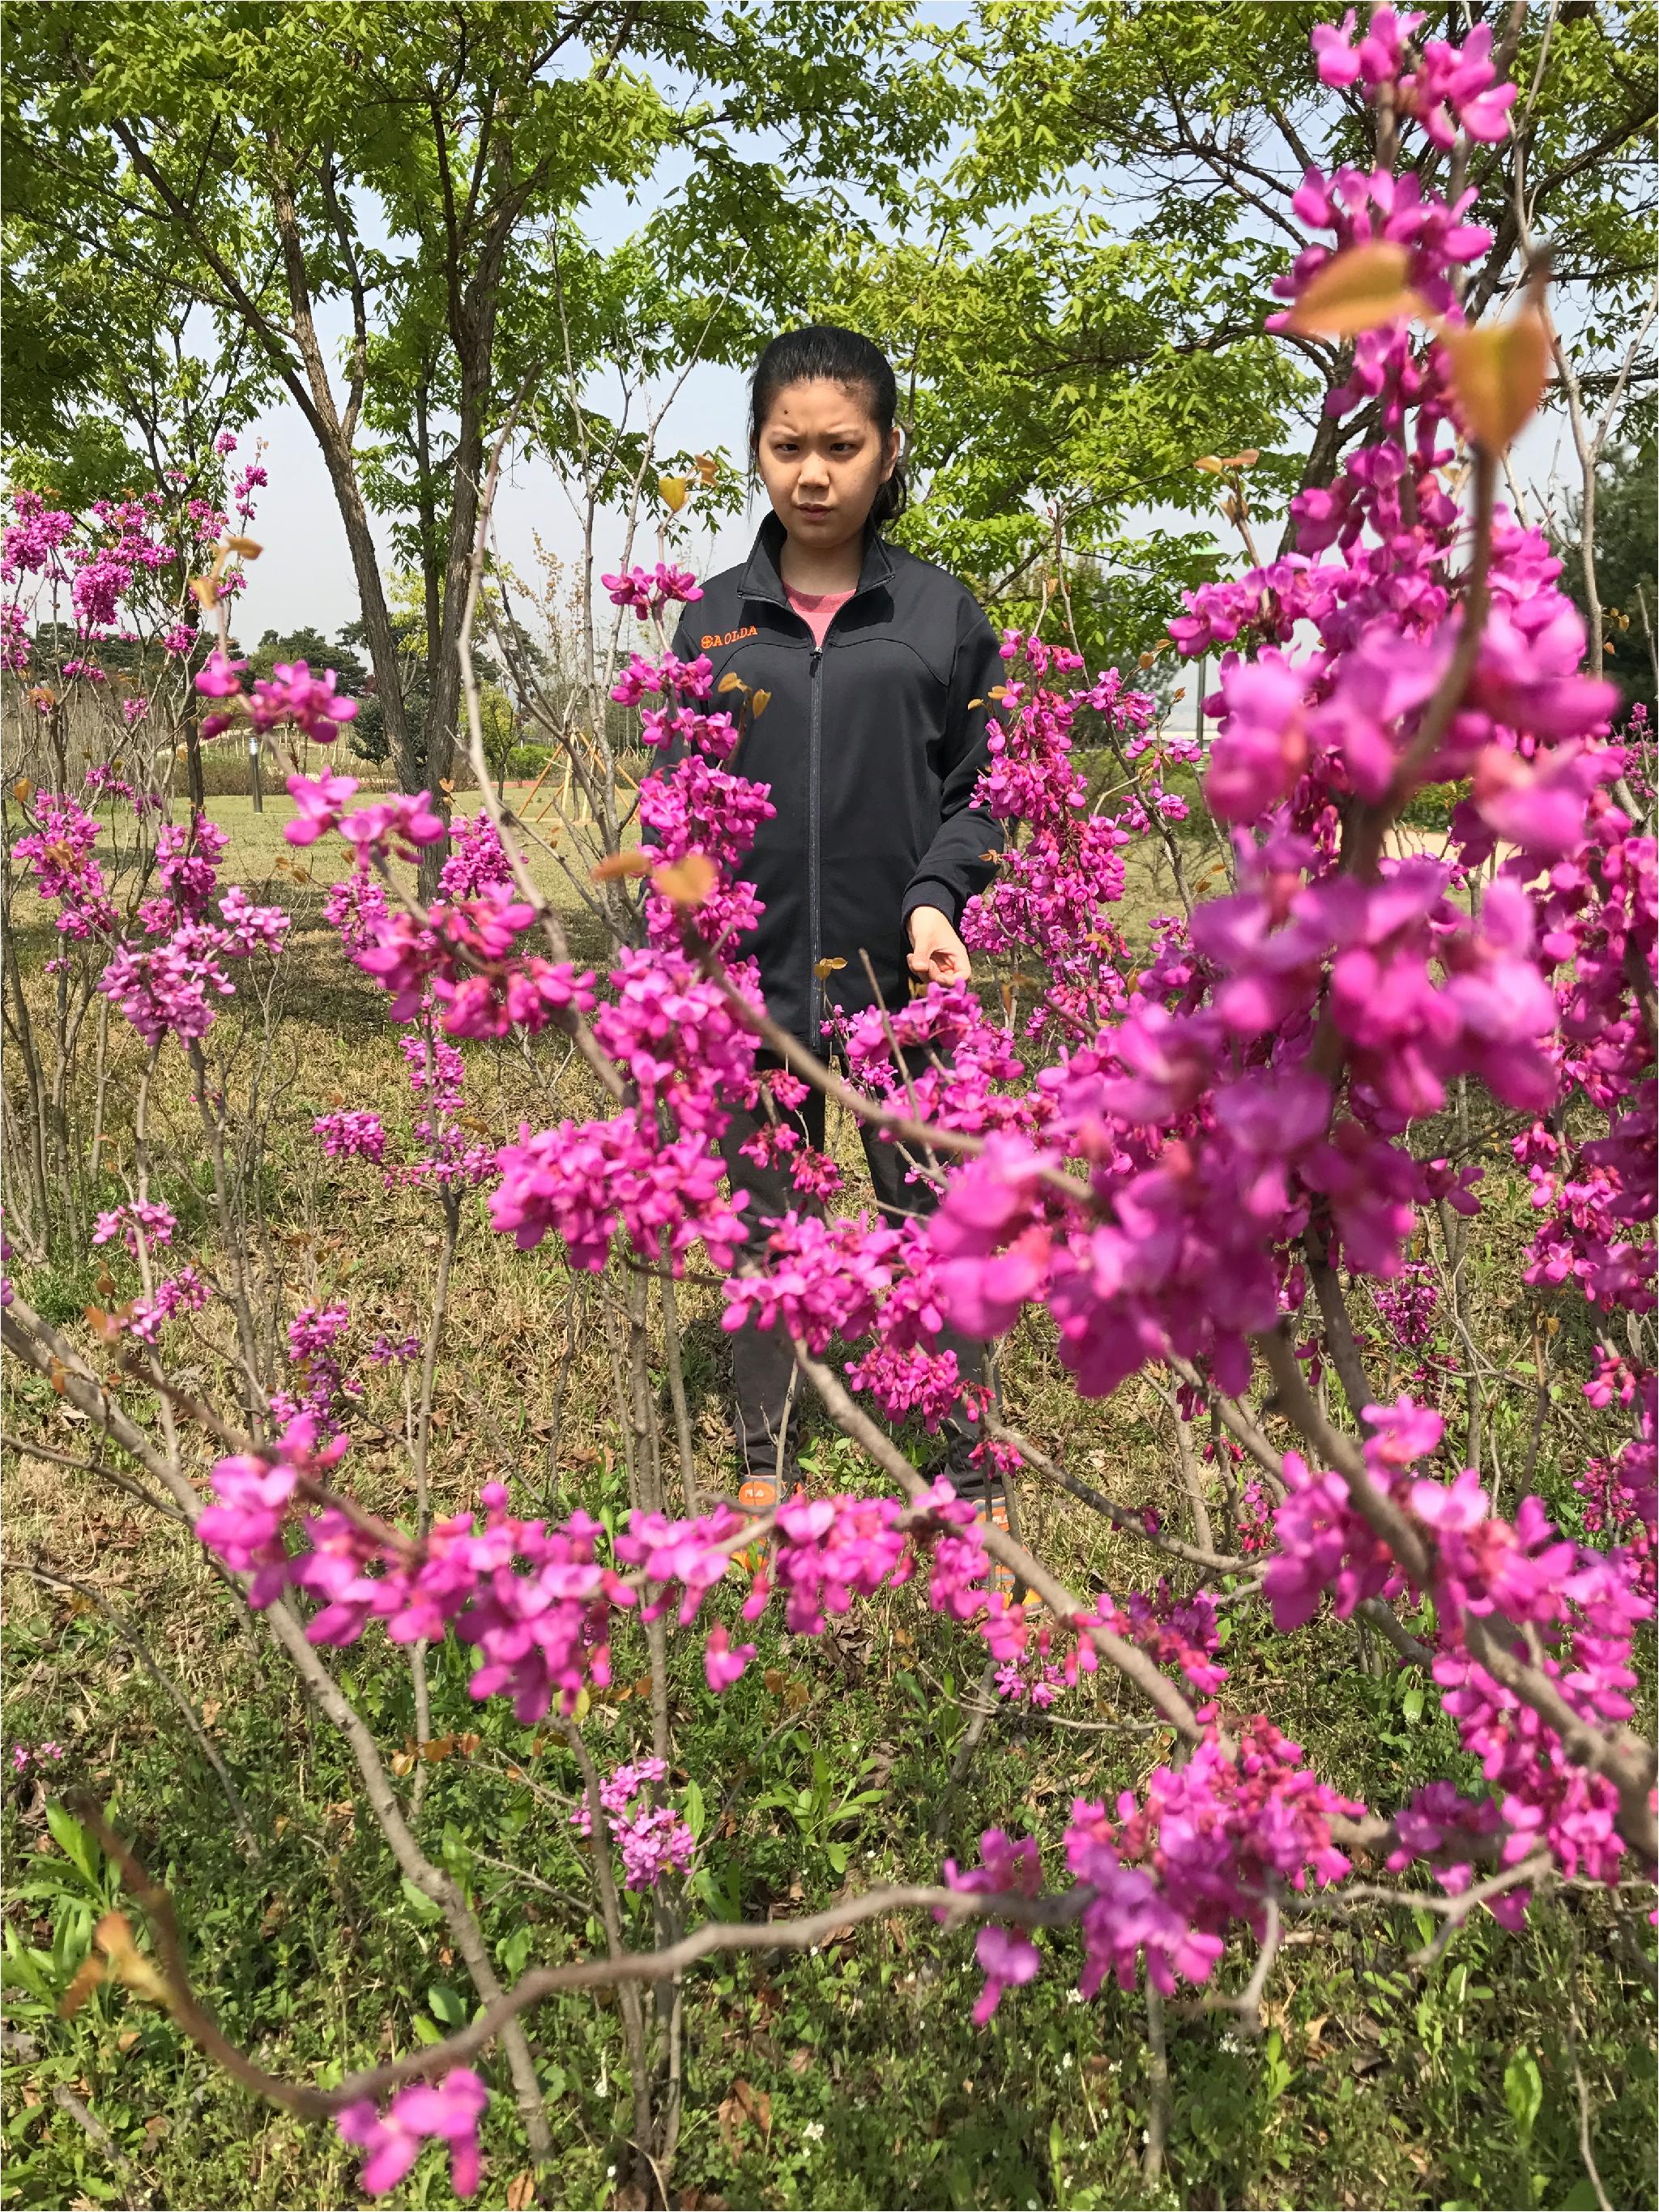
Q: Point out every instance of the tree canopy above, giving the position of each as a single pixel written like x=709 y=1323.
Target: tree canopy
x=405 y=165
x=1078 y=309
x=1060 y=222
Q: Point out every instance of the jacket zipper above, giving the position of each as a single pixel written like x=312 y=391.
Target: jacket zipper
x=815 y=949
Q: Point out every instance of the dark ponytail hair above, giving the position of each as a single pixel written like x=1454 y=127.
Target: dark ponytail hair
x=843 y=357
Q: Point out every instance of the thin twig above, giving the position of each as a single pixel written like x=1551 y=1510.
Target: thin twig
x=1158 y=1690
x=714 y=1938
x=1123 y=1517
x=158 y=1674
x=1158 y=2089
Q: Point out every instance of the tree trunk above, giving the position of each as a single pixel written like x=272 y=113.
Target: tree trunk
x=378 y=633
x=446 y=696
x=463 y=522
x=426 y=508
x=193 y=764
x=334 y=439
x=1323 y=456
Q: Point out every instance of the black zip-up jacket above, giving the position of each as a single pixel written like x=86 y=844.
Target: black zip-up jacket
x=872 y=746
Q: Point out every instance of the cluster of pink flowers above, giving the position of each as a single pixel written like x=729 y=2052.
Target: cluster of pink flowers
x=289 y=697
x=1599 y=919
x=464 y=954
x=317 y=803
x=648 y=591
x=1054 y=890
x=182 y=1294
x=1451 y=89
x=586 y=1180
x=102 y=569
x=1582 y=1607
x=354 y=1134
x=140 y=1219
x=539 y=1603
x=476 y=860
x=447 y=2111
x=355 y=908
x=691 y=680
x=166 y=982
x=1009 y=1957
x=1410 y=1304
x=683 y=1047
x=1209 y=1845
x=60 y=858
x=1178 y=1632
x=653 y=1839
x=22 y=1755
x=386 y=1352
x=101 y=780
x=327 y=1392
x=447 y=1153
x=953 y=1057
x=31 y=545
x=1212 y=1840
x=188 y=857
x=123 y=568
x=168 y=989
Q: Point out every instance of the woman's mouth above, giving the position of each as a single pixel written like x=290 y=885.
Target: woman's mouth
x=814 y=512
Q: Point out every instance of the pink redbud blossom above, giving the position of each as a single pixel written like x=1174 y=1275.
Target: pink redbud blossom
x=449 y=2111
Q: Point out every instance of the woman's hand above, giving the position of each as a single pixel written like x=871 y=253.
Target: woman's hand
x=938 y=955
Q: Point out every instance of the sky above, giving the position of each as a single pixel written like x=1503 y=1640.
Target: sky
x=304 y=577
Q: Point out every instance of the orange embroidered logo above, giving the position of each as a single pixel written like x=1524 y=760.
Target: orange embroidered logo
x=729 y=637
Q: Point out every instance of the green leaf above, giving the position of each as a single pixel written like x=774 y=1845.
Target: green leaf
x=73 y=1841
x=1523 y=2093
x=446 y=2005
x=696 y=1811
x=425 y=2032
x=419 y=1904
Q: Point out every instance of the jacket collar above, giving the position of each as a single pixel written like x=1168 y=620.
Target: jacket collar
x=762 y=574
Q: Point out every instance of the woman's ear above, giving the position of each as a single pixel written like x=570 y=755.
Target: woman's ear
x=895 y=453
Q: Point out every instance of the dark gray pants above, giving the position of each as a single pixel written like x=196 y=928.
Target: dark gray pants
x=763 y=1363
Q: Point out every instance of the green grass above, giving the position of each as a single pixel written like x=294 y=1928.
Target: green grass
x=1376 y=2083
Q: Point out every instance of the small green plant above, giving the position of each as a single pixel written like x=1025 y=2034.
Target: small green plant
x=826 y=1803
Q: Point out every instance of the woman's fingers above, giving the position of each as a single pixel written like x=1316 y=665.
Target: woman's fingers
x=941 y=965
x=938 y=955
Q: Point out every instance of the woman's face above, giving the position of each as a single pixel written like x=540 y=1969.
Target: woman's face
x=823 y=460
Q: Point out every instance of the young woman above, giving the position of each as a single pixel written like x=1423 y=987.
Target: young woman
x=879 y=667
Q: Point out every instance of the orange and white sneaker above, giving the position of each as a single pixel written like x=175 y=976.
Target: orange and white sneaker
x=759 y=1492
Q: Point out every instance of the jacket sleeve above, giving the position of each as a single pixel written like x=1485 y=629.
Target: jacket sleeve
x=953 y=868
